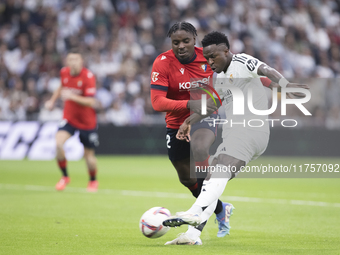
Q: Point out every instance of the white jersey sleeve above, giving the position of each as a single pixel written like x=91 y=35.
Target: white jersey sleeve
x=250 y=65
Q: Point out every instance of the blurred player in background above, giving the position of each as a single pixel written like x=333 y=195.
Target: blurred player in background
x=77 y=90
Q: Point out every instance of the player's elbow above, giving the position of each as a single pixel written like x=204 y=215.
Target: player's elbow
x=156 y=104
x=157 y=107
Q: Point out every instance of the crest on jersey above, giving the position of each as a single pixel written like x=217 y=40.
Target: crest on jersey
x=181 y=70
x=231 y=78
x=79 y=83
x=154 y=77
x=204 y=66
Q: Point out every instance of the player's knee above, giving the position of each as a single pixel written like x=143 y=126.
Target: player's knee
x=59 y=145
x=200 y=153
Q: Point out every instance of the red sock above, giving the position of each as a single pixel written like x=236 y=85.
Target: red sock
x=92 y=174
x=194 y=189
x=62 y=165
x=204 y=163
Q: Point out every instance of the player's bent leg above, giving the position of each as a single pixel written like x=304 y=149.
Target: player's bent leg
x=201 y=141
x=214 y=187
x=91 y=162
x=61 y=138
x=183 y=171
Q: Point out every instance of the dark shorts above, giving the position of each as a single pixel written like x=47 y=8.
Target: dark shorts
x=180 y=149
x=89 y=138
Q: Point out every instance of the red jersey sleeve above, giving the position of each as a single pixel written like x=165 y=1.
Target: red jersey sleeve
x=90 y=85
x=159 y=88
x=63 y=73
x=163 y=104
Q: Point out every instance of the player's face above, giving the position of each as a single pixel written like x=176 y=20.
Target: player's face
x=75 y=62
x=217 y=57
x=183 y=45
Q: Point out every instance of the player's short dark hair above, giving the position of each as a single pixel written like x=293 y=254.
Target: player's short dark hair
x=183 y=25
x=215 y=38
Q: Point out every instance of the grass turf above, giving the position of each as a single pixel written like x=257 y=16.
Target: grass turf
x=272 y=216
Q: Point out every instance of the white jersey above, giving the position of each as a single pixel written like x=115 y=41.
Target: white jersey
x=234 y=86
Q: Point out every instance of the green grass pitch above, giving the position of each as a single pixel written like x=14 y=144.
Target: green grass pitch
x=272 y=216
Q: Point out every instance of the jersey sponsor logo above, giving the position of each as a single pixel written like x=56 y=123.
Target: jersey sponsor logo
x=74 y=90
x=163 y=57
x=251 y=64
x=204 y=66
x=154 y=77
x=90 y=91
x=181 y=70
x=194 y=84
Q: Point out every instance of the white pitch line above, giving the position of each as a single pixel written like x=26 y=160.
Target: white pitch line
x=138 y=193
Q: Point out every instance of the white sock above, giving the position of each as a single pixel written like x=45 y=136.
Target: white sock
x=208 y=211
x=211 y=191
x=193 y=233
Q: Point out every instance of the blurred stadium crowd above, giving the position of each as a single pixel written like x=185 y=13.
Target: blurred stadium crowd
x=121 y=38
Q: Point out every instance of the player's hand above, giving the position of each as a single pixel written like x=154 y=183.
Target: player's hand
x=66 y=94
x=293 y=95
x=49 y=104
x=183 y=132
x=195 y=106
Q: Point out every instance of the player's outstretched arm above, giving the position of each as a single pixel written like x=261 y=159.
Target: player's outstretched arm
x=49 y=104
x=161 y=103
x=279 y=81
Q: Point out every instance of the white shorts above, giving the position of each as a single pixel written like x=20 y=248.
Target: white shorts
x=243 y=144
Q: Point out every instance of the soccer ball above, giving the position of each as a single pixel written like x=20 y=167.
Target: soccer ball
x=151 y=222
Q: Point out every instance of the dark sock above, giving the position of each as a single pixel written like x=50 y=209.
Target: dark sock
x=93 y=174
x=219 y=207
x=194 y=190
x=201 y=226
x=62 y=165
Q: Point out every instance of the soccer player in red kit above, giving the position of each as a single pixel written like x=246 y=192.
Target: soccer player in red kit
x=77 y=90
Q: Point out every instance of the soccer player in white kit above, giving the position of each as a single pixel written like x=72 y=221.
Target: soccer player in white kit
x=245 y=134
